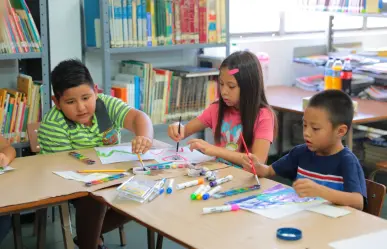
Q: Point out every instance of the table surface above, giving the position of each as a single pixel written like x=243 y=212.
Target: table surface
x=181 y=219
x=32 y=184
x=289 y=99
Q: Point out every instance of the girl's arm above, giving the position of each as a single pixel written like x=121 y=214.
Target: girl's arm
x=193 y=126
x=7 y=152
x=260 y=150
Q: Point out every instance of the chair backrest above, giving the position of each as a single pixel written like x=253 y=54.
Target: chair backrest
x=32 y=130
x=375 y=196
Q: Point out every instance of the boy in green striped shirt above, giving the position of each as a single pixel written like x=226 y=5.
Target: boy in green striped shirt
x=81 y=119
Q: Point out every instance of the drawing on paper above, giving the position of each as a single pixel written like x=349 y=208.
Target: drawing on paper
x=174 y=158
x=121 y=153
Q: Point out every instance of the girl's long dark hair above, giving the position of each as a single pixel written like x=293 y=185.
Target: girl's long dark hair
x=252 y=95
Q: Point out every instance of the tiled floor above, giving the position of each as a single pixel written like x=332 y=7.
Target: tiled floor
x=135 y=233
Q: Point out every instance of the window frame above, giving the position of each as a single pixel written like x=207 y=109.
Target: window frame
x=282 y=32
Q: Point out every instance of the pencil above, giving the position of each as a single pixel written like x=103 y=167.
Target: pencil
x=251 y=163
x=177 y=146
x=102 y=170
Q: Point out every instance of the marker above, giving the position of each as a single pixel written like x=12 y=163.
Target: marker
x=170 y=186
x=205 y=190
x=221 y=181
x=189 y=184
x=158 y=190
x=81 y=157
x=206 y=196
x=197 y=191
x=220 y=209
x=151 y=198
x=106 y=179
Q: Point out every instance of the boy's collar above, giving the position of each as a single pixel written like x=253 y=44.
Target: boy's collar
x=102 y=115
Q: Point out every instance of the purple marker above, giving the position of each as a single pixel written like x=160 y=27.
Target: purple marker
x=220 y=181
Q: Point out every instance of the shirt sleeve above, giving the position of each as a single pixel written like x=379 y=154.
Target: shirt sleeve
x=353 y=175
x=287 y=165
x=264 y=126
x=117 y=109
x=206 y=116
x=53 y=138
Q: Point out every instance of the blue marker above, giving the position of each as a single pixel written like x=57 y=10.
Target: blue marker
x=170 y=186
x=158 y=189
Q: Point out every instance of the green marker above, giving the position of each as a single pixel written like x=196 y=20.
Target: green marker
x=197 y=192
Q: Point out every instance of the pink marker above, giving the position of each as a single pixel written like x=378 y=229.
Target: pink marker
x=220 y=209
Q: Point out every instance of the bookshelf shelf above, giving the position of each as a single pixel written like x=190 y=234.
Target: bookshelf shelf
x=107 y=52
x=39 y=70
x=158 y=48
x=20 y=56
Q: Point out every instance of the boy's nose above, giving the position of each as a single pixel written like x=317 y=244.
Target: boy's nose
x=80 y=107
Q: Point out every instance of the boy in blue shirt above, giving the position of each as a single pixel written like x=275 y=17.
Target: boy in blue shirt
x=323 y=167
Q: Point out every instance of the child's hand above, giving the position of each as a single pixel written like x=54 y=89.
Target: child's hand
x=4 y=160
x=141 y=144
x=203 y=146
x=307 y=188
x=259 y=167
x=173 y=132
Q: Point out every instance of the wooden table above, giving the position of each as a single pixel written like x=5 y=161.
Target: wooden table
x=32 y=185
x=289 y=99
x=181 y=220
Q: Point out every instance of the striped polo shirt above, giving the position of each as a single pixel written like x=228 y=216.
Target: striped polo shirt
x=341 y=171
x=57 y=133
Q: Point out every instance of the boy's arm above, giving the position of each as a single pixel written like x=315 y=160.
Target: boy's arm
x=139 y=123
x=309 y=188
x=7 y=150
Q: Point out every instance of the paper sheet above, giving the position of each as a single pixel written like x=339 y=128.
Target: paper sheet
x=71 y=175
x=5 y=169
x=329 y=210
x=183 y=155
x=120 y=153
x=278 y=212
x=375 y=240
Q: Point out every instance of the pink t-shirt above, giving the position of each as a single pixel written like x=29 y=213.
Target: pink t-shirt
x=232 y=126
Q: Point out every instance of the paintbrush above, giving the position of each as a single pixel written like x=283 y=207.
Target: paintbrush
x=142 y=163
x=251 y=162
x=177 y=146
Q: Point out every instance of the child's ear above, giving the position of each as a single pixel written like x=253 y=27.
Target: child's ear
x=56 y=102
x=96 y=89
x=342 y=130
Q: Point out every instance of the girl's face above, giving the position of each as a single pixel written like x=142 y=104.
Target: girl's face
x=229 y=88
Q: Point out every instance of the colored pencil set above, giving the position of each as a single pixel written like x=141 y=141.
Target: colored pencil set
x=106 y=179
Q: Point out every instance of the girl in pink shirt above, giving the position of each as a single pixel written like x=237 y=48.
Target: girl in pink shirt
x=242 y=109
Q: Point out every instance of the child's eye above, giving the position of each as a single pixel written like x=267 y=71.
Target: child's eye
x=86 y=98
x=70 y=102
x=232 y=87
x=316 y=129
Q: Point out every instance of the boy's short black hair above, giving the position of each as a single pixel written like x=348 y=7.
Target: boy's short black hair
x=68 y=74
x=338 y=105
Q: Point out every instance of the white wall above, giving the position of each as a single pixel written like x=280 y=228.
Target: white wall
x=280 y=49
x=65 y=30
